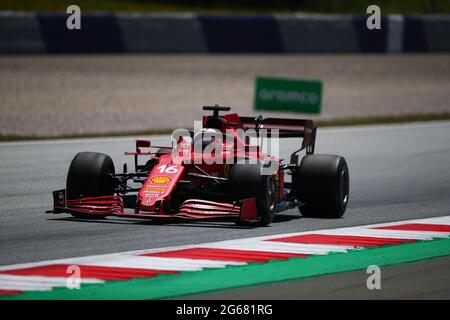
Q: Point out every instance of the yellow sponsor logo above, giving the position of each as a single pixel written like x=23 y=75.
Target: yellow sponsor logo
x=154 y=189
x=160 y=179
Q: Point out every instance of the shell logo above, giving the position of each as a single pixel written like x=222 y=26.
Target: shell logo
x=160 y=179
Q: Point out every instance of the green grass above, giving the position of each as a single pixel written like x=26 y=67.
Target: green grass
x=232 y=6
x=319 y=123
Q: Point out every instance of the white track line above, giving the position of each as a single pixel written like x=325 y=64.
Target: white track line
x=386 y=233
x=285 y=247
x=37 y=283
x=159 y=263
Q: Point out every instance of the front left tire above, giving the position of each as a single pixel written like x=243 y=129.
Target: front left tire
x=248 y=182
x=88 y=176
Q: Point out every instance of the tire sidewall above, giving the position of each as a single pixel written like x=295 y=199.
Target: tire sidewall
x=246 y=181
x=88 y=175
x=320 y=187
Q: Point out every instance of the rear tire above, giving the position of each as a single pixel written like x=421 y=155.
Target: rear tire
x=88 y=176
x=247 y=182
x=322 y=183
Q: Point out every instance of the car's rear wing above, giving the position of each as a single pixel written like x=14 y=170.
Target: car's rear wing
x=287 y=128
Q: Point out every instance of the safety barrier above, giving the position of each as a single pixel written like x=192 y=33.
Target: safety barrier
x=185 y=33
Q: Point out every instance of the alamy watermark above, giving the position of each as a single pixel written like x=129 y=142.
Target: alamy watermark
x=374 y=280
x=374 y=20
x=235 y=145
x=74 y=280
x=73 y=22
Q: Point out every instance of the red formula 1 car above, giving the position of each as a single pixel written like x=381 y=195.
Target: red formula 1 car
x=215 y=173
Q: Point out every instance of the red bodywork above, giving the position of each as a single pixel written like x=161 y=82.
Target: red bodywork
x=158 y=187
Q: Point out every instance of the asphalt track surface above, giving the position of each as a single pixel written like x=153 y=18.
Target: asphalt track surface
x=397 y=172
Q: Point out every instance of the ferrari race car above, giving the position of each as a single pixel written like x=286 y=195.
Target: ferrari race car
x=214 y=173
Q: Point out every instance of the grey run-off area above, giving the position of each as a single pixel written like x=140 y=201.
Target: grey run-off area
x=73 y=94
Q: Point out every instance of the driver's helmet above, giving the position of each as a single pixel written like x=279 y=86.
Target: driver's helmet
x=206 y=135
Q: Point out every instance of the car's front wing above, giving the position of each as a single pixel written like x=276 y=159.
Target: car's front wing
x=243 y=210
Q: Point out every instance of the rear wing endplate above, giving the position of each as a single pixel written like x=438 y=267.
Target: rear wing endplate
x=287 y=128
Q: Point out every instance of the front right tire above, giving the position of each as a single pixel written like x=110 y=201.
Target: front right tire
x=322 y=184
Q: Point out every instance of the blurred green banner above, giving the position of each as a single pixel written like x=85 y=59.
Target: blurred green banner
x=277 y=94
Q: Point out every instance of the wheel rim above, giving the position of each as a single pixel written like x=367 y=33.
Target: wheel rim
x=270 y=193
x=344 y=187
